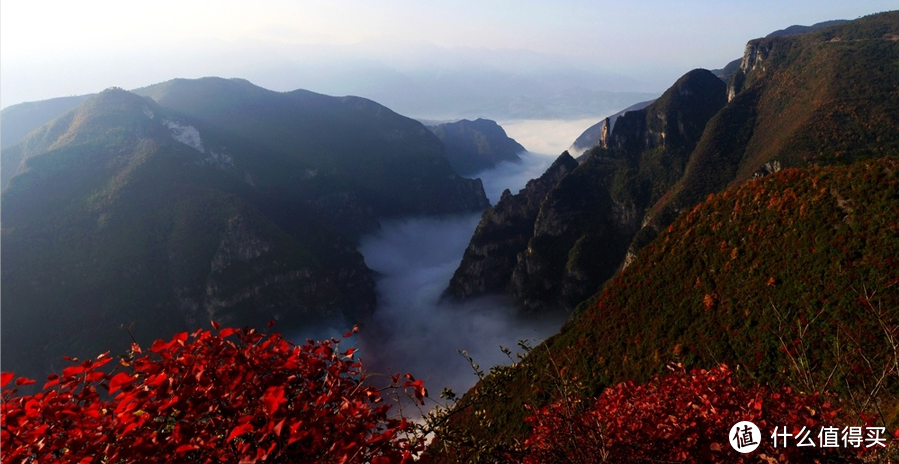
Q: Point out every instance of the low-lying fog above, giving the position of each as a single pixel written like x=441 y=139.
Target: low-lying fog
x=413 y=331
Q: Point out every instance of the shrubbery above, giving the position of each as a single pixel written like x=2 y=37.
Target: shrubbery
x=686 y=417
x=232 y=395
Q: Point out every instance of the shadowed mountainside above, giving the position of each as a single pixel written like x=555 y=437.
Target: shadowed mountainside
x=242 y=208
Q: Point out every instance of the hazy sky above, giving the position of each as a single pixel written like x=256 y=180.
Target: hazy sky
x=58 y=48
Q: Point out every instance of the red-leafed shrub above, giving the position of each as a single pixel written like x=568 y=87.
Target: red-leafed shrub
x=682 y=417
x=233 y=395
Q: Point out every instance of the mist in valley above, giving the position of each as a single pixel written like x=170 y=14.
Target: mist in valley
x=414 y=330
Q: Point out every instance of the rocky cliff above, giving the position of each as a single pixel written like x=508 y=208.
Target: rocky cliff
x=822 y=97
x=504 y=233
x=583 y=223
x=599 y=132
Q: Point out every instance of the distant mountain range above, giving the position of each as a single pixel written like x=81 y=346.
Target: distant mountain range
x=473 y=146
x=192 y=200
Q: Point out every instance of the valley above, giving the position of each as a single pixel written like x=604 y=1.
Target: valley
x=413 y=328
x=606 y=288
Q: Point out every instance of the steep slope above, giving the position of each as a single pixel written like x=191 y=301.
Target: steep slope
x=17 y=121
x=503 y=233
x=792 y=277
x=126 y=214
x=585 y=222
x=472 y=146
x=817 y=98
x=823 y=97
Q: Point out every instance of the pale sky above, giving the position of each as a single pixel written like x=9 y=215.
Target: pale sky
x=59 y=48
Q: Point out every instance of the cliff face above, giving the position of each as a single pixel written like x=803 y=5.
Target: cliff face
x=574 y=234
x=577 y=238
x=823 y=97
x=472 y=146
x=598 y=134
x=503 y=233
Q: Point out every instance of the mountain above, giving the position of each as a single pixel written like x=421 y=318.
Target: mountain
x=503 y=233
x=798 y=266
x=584 y=221
x=764 y=240
x=473 y=146
x=242 y=208
x=728 y=70
x=18 y=120
x=350 y=148
x=825 y=97
x=590 y=137
x=798 y=29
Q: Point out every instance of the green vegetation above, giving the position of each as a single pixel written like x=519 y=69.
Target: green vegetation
x=792 y=278
x=826 y=97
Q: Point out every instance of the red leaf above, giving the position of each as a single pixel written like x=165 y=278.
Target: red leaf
x=420 y=391
x=51 y=381
x=273 y=398
x=72 y=371
x=239 y=430
x=159 y=346
x=278 y=427
x=5 y=377
x=215 y=325
x=24 y=381
x=32 y=408
x=118 y=380
x=185 y=448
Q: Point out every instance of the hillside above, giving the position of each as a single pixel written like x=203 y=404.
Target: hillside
x=359 y=155
x=18 y=120
x=125 y=213
x=472 y=146
x=824 y=97
x=584 y=221
x=799 y=266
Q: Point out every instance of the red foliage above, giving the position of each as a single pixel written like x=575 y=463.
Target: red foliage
x=680 y=417
x=231 y=396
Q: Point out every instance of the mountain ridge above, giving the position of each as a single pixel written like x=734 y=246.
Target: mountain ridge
x=473 y=146
x=127 y=213
x=762 y=121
